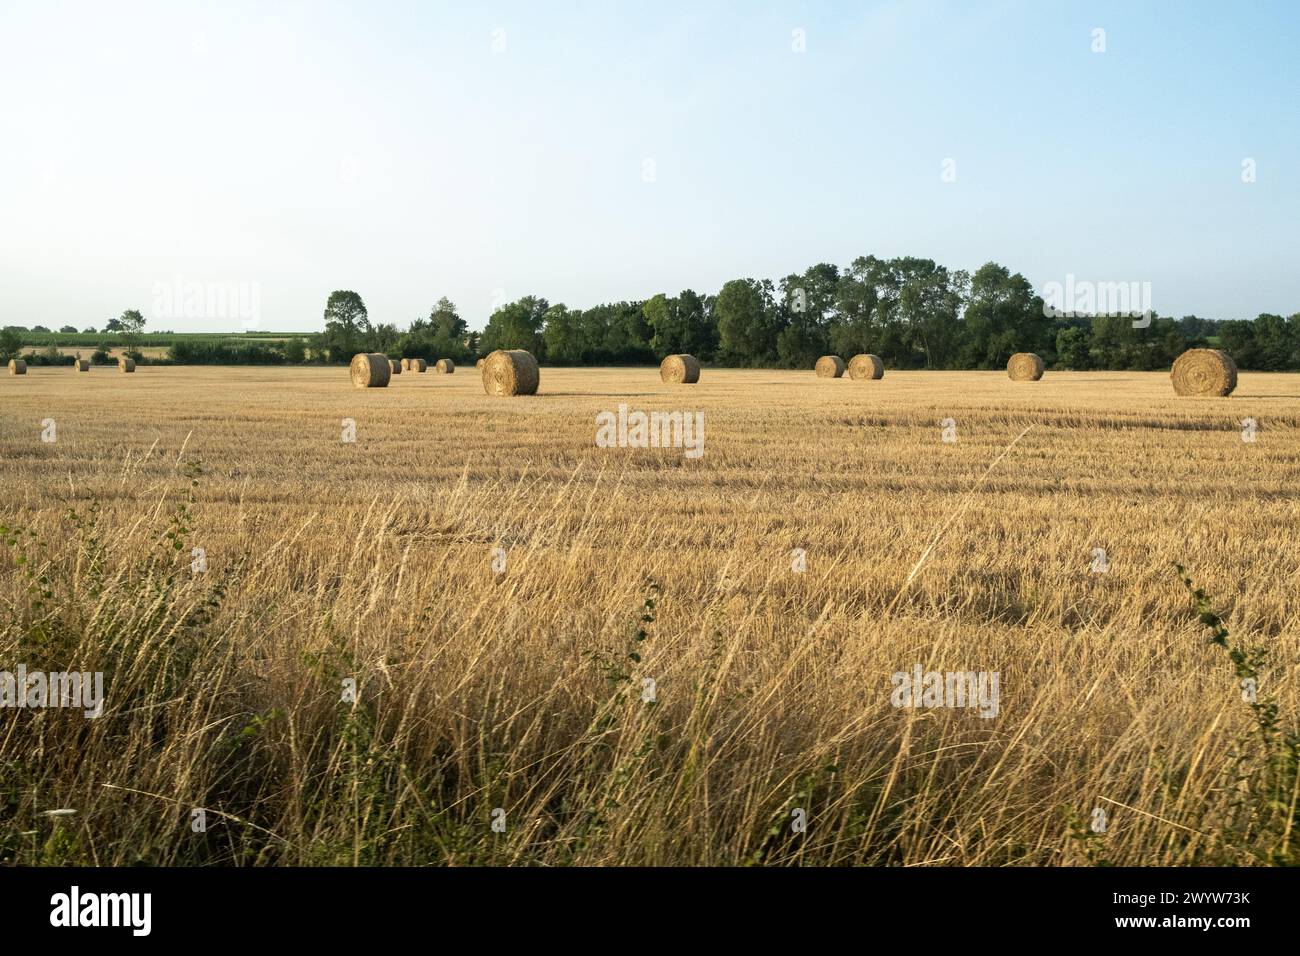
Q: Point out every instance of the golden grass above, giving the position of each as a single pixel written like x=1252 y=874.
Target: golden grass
x=374 y=560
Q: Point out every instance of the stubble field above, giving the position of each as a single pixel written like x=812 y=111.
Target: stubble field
x=632 y=656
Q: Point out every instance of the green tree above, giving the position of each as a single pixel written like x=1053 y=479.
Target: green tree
x=1114 y=340
x=131 y=325
x=1237 y=338
x=805 y=313
x=1003 y=316
x=295 y=351
x=1166 y=342
x=562 y=332
x=855 y=327
x=347 y=325
x=517 y=325
x=10 y=344
x=747 y=326
x=668 y=334
x=1273 y=343
x=930 y=301
x=681 y=324
x=446 y=322
x=1074 y=347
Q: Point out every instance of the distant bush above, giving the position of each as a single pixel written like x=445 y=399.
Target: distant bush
x=186 y=352
x=48 y=356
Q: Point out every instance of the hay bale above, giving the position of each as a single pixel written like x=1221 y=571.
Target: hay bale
x=680 y=369
x=395 y=366
x=406 y=364
x=370 y=370
x=1026 y=367
x=1204 y=372
x=126 y=364
x=81 y=365
x=17 y=367
x=510 y=372
x=419 y=365
x=479 y=364
x=830 y=366
x=866 y=367
x=444 y=366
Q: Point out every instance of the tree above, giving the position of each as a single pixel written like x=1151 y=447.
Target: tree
x=563 y=336
x=805 y=314
x=517 y=325
x=747 y=327
x=1273 y=343
x=1003 y=316
x=680 y=324
x=1074 y=347
x=1114 y=339
x=1237 y=338
x=383 y=338
x=113 y=325
x=10 y=344
x=1197 y=331
x=1166 y=342
x=41 y=329
x=445 y=322
x=131 y=325
x=69 y=330
x=347 y=325
x=667 y=333
x=865 y=300
x=1293 y=324
x=930 y=302
x=295 y=351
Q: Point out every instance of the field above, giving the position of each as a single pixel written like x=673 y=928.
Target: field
x=617 y=655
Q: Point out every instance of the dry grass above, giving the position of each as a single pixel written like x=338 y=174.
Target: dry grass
x=328 y=560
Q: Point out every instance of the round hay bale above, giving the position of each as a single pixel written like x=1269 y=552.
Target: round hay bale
x=395 y=366
x=444 y=366
x=510 y=372
x=1204 y=372
x=866 y=367
x=406 y=364
x=830 y=366
x=370 y=370
x=81 y=365
x=17 y=367
x=419 y=365
x=1026 y=367
x=680 y=370
x=479 y=364
x=126 y=364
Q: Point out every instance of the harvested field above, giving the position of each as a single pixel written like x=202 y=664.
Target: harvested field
x=481 y=570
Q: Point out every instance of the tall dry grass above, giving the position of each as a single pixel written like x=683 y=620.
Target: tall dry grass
x=522 y=688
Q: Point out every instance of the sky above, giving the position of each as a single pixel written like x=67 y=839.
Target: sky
x=269 y=153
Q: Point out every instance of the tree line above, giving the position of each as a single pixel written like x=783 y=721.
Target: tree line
x=913 y=313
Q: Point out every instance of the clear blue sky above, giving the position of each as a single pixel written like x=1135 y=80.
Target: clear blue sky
x=387 y=148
